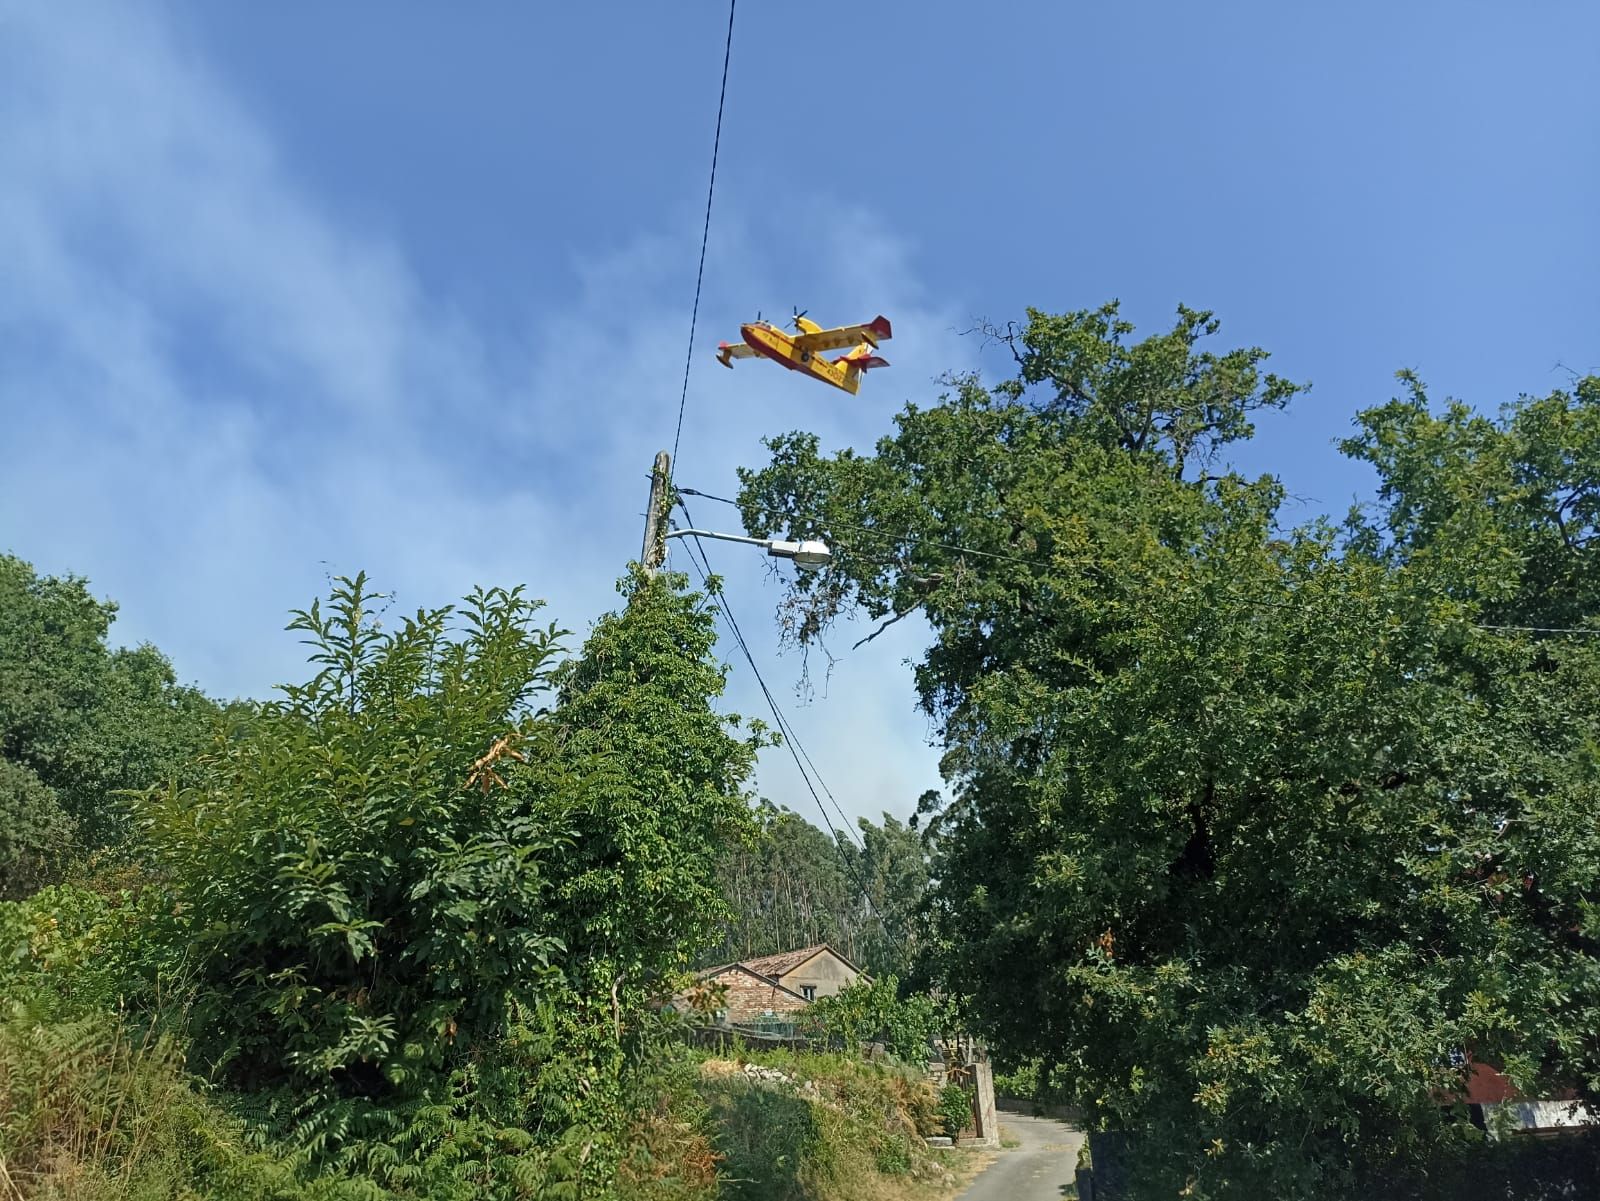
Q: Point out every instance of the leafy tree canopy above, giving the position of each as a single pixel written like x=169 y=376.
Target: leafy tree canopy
x=79 y=721
x=1251 y=830
x=1518 y=496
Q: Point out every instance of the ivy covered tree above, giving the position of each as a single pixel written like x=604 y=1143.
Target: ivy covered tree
x=1251 y=830
x=664 y=797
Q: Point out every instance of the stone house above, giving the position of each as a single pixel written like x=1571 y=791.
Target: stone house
x=772 y=988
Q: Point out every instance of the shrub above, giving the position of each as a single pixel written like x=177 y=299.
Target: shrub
x=873 y=1011
x=416 y=919
x=955 y=1109
x=68 y=951
x=1031 y=1080
x=1021 y=1081
x=667 y=1149
x=359 y=874
x=838 y=1129
x=423 y=915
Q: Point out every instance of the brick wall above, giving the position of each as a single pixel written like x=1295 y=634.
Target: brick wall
x=750 y=997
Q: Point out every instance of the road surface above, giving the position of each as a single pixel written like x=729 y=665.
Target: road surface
x=1034 y=1171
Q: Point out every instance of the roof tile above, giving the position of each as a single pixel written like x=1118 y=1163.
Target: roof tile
x=785 y=961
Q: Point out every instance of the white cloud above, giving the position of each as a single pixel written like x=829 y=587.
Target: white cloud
x=214 y=391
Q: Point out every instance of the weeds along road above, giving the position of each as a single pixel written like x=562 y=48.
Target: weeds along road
x=1036 y=1169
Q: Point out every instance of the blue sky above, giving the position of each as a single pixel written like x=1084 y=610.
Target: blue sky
x=292 y=289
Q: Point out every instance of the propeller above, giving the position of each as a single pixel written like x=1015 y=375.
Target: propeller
x=799 y=313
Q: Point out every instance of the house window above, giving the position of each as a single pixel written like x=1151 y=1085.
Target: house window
x=808 y=991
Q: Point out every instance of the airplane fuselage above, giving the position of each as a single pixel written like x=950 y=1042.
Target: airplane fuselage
x=771 y=342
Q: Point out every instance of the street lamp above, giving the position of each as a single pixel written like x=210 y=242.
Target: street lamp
x=808 y=556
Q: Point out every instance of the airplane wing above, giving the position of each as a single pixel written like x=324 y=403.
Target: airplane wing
x=875 y=331
x=728 y=351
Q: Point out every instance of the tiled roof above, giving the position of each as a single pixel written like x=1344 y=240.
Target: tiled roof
x=741 y=979
x=785 y=961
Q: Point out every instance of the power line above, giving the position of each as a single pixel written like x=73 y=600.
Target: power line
x=722 y=500
x=797 y=751
x=705 y=233
x=912 y=543
x=791 y=740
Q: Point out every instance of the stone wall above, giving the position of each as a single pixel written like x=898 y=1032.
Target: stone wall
x=969 y=1066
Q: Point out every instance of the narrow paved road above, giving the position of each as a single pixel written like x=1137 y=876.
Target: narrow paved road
x=1034 y=1171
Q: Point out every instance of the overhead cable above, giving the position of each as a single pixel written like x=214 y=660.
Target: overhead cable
x=705 y=234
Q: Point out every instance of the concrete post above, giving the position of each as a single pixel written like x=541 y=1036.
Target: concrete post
x=988 y=1118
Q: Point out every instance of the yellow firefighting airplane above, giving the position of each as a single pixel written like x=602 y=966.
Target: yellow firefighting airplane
x=803 y=350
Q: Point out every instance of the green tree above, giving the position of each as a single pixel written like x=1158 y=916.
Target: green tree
x=35 y=832
x=794 y=886
x=892 y=866
x=79 y=722
x=787 y=887
x=639 y=889
x=1250 y=829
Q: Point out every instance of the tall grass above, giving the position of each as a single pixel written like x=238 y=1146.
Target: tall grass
x=92 y=1110
x=669 y=1154
x=95 y=1109
x=838 y=1130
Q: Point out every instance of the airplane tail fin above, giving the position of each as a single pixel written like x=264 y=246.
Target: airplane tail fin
x=862 y=358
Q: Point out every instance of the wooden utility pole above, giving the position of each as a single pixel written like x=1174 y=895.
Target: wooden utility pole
x=655 y=517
